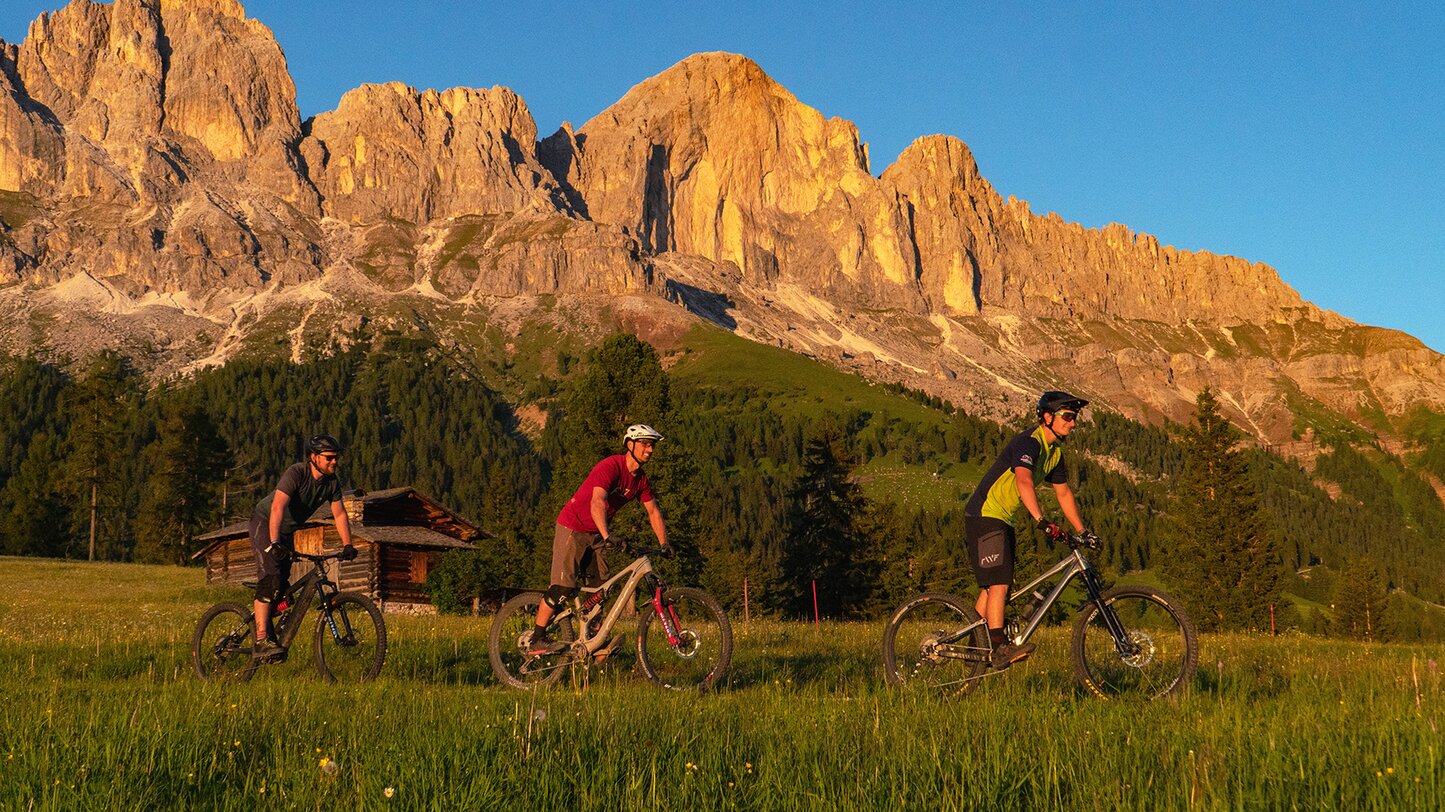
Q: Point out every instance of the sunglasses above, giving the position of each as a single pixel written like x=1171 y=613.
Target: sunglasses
x=1068 y=417
x=330 y=457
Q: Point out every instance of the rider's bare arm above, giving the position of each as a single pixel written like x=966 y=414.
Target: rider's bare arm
x=599 y=511
x=278 y=509
x=343 y=522
x=659 y=527
x=1024 y=480
x=1069 y=506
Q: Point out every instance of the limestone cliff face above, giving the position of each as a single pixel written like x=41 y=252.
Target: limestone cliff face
x=152 y=151
x=388 y=150
x=159 y=136
x=714 y=158
x=977 y=250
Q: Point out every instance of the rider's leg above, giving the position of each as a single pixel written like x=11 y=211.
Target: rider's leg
x=994 y=598
x=568 y=548
x=266 y=572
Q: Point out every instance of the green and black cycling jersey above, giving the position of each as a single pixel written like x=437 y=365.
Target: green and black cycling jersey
x=997 y=495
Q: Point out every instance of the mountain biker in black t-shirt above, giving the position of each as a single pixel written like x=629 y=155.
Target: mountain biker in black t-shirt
x=303 y=488
x=988 y=515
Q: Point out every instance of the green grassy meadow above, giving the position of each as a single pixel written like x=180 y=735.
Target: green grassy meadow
x=102 y=711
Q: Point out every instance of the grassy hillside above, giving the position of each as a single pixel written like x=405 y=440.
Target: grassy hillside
x=102 y=712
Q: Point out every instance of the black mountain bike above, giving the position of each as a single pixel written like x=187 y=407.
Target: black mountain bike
x=1130 y=642
x=349 y=644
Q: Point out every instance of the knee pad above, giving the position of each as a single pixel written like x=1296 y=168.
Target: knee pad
x=268 y=588
x=557 y=596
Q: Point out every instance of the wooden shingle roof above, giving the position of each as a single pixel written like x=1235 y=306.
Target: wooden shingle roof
x=391 y=516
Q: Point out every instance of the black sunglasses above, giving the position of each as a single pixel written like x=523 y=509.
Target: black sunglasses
x=1068 y=417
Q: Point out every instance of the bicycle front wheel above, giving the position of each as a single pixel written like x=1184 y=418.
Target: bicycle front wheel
x=689 y=646
x=1155 y=658
x=937 y=643
x=221 y=645
x=350 y=641
x=511 y=635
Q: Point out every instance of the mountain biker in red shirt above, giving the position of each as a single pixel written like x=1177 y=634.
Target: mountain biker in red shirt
x=582 y=531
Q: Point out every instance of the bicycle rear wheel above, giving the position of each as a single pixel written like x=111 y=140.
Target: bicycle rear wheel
x=221 y=645
x=511 y=634
x=695 y=657
x=1161 y=654
x=937 y=643
x=350 y=642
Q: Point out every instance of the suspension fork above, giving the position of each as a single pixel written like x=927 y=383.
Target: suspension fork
x=1122 y=642
x=665 y=612
x=339 y=635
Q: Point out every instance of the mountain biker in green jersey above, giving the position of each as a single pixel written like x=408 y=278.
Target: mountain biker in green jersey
x=988 y=515
x=303 y=488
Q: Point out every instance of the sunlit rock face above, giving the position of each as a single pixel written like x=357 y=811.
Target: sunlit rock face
x=152 y=156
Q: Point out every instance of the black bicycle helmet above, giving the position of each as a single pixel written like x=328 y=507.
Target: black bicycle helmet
x=1054 y=401
x=324 y=443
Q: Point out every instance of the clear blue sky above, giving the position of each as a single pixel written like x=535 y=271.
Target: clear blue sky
x=1309 y=136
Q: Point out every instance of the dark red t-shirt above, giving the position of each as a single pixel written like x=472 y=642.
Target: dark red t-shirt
x=622 y=486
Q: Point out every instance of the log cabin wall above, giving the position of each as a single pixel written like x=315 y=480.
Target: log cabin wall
x=404 y=571
x=361 y=574
x=231 y=563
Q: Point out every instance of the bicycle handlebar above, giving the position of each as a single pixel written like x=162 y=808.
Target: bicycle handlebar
x=1087 y=540
x=639 y=550
x=317 y=559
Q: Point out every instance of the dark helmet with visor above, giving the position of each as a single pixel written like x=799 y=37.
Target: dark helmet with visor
x=324 y=444
x=1054 y=402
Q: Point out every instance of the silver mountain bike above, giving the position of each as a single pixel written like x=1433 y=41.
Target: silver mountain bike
x=1130 y=642
x=683 y=637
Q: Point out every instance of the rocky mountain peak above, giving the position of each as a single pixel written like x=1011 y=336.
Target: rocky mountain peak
x=156 y=183
x=713 y=158
x=390 y=150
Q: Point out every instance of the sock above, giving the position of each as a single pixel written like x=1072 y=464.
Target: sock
x=539 y=631
x=996 y=637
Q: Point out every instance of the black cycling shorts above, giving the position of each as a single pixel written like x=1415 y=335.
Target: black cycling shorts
x=990 y=550
x=273 y=561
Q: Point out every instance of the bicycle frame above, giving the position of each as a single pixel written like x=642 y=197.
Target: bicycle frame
x=1072 y=566
x=311 y=586
x=634 y=574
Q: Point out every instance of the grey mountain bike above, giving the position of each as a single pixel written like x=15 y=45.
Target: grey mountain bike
x=1130 y=642
x=349 y=644
x=683 y=638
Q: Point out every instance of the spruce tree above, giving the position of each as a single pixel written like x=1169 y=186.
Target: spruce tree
x=32 y=510
x=181 y=499
x=826 y=542
x=1360 y=601
x=96 y=408
x=1223 y=559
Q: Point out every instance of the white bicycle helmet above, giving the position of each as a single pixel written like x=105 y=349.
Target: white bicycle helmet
x=640 y=431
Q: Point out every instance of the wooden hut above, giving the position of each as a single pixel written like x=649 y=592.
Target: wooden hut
x=400 y=534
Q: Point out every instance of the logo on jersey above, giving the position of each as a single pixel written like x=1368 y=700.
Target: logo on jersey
x=990 y=560
x=1026 y=459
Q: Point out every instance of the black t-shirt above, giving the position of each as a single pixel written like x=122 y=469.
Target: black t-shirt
x=306 y=495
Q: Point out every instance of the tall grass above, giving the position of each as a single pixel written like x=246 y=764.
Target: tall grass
x=102 y=711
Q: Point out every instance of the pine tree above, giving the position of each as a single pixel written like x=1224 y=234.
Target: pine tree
x=826 y=542
x=32 y=513
x=96 y=408
x=1223 y=559
x=1361 y=597
x=181 y=498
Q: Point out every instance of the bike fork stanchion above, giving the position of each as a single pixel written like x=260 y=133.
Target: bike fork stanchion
x=668 y=618
x=1122 y=642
